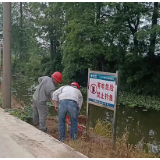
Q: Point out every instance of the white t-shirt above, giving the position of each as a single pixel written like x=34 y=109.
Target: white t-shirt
x=68 y=92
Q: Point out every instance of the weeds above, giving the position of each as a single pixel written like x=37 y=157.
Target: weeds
x=103 y=128
x=132 y=100
x=102 y=148
x=23 y=113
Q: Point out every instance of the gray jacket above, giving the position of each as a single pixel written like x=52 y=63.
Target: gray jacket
x=44 y=90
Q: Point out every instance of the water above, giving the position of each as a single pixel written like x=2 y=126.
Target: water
x=140 y=123
x=22 y=88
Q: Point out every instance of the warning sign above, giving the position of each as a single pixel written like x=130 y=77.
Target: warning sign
x=93 y=89
x=102 y=89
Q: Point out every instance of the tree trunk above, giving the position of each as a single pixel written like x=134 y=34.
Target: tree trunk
x=51 y=49
x=98 y=9
x=153 y=35
x=21 y=38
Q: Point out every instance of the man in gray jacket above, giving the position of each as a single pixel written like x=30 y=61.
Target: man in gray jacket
x=43 y=94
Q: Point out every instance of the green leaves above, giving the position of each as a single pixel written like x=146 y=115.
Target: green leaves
x=132 y=100
x=24 y=113
x=104 y=36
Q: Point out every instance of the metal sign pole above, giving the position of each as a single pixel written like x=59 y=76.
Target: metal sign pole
x=87 y=124
x=115 y=113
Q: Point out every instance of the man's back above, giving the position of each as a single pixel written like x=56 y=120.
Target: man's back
x=68 y=92
x=44 y=89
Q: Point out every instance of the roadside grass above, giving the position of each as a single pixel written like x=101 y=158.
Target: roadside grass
x=99 y=144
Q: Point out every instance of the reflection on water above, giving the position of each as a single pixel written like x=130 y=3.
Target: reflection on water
x=22 y=88
x=140 y=123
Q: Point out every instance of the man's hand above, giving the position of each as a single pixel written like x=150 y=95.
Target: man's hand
x=56 y=105
x=56 y=108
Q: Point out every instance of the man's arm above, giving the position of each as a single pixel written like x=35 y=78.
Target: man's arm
x=55 y=98
x=51 y=101
x=55 y=104
x=41 y=78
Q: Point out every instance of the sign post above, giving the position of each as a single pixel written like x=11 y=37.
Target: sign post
x=103 y=91
x=87 y=124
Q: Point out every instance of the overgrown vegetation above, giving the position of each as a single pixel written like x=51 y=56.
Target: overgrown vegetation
x=104 y=36
x=99 y=147
x=103 y=128
x=23 y=113
x=132 y=100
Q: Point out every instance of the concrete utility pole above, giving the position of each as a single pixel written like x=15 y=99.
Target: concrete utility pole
x=0 y=54
x=6 y=85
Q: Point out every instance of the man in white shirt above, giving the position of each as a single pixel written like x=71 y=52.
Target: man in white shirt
x=68 y=99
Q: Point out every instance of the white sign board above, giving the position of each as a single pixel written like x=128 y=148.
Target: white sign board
x=102 y=89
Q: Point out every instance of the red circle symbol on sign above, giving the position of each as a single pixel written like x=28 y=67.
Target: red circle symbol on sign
x=93 y=88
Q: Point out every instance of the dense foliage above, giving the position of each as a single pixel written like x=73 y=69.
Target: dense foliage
x=104 y=36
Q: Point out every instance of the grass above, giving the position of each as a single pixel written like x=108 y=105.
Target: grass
x=103 y=128
x=101 y=147
x=23 y=113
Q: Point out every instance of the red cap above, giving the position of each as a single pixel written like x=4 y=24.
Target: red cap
x=75 y=84
x=57 y=76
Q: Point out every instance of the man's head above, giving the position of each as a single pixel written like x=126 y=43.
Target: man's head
x=57 y=77
x=75 y=84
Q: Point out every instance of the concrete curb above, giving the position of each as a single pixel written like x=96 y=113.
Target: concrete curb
x=22 y=140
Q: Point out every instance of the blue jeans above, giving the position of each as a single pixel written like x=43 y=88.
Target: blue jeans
x=71 y=107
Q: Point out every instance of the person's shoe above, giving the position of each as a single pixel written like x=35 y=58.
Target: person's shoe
x=35 y=124
x=44 y=130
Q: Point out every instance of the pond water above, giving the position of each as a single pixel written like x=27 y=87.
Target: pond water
x=140 y=123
